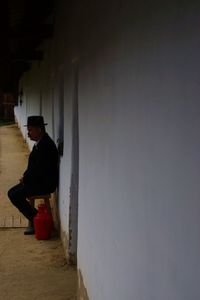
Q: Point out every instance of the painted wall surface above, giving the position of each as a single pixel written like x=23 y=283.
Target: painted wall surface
x=30 y=100
x=138 y=94
x=139 y=228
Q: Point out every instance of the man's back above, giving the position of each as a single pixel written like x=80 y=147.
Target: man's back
x=42 y=170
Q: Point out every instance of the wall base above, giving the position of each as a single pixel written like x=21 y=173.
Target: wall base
x=54 y=210
x=82 y=292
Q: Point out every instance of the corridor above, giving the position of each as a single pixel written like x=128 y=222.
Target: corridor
x=29 y=269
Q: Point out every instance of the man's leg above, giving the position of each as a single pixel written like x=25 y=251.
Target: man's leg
x=18 y=195
x=30 y=229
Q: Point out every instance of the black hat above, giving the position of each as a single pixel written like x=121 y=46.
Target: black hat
x=35 y=121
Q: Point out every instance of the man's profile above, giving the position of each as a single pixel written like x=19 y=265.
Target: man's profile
x=41 y=175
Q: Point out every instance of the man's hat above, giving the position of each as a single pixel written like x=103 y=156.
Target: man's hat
x=35 y=121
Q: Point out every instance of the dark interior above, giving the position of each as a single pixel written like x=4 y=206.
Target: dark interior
x=23 y=26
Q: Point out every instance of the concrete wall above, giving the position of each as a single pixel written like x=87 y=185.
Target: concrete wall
x=138 y=93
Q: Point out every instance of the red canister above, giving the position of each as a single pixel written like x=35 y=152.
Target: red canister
x=43 y=223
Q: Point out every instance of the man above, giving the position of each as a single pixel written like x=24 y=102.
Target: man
x=41 y=175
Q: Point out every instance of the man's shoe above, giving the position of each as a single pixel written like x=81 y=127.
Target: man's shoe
x=29 y=230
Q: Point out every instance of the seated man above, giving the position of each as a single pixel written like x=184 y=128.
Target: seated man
x=41 y=175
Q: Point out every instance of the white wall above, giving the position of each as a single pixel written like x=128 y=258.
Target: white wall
x=138 y=222
x=30 y=87
x=139 y=192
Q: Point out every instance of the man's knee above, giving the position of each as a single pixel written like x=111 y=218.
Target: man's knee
x=12 y=195
x=15 y=194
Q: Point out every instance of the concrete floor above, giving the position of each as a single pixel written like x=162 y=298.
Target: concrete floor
x=29 y=269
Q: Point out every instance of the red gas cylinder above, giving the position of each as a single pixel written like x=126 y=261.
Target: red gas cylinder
x=43 y=223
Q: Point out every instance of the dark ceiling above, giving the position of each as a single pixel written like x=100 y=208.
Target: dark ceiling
x=24 y=24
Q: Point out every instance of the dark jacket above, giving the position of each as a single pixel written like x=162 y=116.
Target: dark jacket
x=41 y=175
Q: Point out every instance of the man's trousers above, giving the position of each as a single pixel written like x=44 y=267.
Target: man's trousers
x=18 y=196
